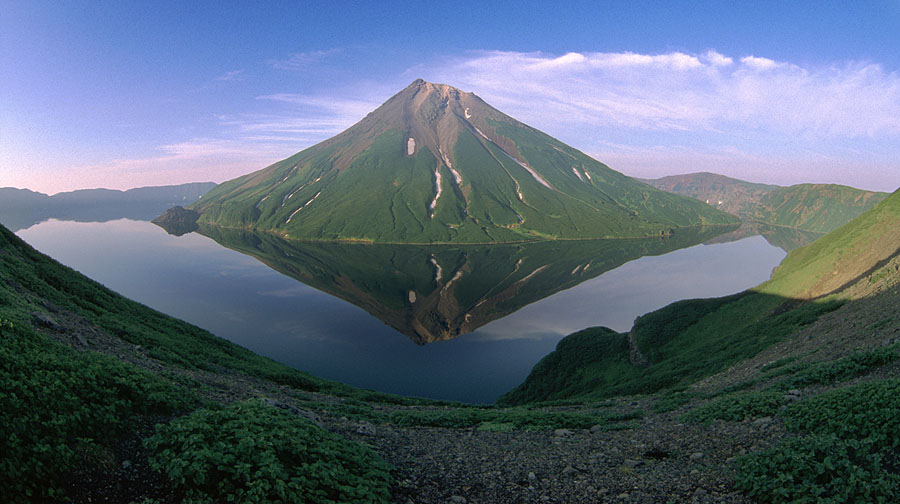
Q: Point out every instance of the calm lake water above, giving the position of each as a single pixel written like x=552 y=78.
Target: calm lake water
x=239 y=298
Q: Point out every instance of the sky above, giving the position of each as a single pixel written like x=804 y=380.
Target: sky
x=122 y=94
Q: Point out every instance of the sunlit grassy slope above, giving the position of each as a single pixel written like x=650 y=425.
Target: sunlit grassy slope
x=691 y=339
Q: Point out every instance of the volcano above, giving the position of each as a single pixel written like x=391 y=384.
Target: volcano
x=434 y=164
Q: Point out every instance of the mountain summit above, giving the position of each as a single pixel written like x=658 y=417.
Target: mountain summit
x=435 y=164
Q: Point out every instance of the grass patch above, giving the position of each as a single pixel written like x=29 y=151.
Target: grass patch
x=671 y=401
x=777 y=364
x=846 y=368
x=737 y=407
x=251 y=452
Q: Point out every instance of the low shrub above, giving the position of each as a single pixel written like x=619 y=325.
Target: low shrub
x=737 y=407
x=845 y=368
x=57 y=404
x=250 y=452
x=818 y=469
x=849 y=452
x=510 y=419
x=672 y=401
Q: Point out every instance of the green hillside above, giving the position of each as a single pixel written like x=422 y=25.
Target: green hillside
x=818 y=208
x=691 y=339
x=84 y=370
x=436 y=165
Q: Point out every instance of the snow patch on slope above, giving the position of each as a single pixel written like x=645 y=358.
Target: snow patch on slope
x=438 y=271
x=302 y=207
x=437 y=194
x=410 y=146
x=533 y=173
x=455 y=173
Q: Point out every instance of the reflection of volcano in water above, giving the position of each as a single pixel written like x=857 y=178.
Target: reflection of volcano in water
x=434 y=293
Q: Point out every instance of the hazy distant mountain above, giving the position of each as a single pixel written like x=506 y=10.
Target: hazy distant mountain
x=21 y=208
x=435 y=164
x=819 y=208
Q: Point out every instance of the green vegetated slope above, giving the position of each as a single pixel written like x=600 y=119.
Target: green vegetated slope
x=691 y=339
x=439 y=292
x=67 y=406
x=818 y=208
x=434 y=164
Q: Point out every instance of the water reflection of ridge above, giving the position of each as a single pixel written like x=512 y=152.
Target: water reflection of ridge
x=785 y=238
x=434 y=293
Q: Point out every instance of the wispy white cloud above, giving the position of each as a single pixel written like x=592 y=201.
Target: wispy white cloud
x=678 y=91
x=234 y=75
x=747 y=115
x=716 y=59
x=199 y=159
x=757 y=63
x=302 y=60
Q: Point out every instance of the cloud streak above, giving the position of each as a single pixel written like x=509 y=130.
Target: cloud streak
x=678 y=91
x=303 y=60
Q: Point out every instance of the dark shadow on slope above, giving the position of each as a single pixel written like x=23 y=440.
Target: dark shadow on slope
x=679 y=344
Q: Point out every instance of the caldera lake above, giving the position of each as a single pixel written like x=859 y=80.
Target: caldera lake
x=462 y=323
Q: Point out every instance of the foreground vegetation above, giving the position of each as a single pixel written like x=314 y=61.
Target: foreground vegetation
x=65 y=409
x=88 y=375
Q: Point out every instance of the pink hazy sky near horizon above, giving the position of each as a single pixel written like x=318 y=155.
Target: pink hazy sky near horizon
x=130 y=95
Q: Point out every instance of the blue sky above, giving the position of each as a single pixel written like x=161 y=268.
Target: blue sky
x=122 y=94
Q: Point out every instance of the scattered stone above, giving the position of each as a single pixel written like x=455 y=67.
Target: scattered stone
x=532 y=477
x=366 y=429
x=697 y=455
x=656 y=454
x=792 y=395
x=597 y=429
x=44 y=320
x=762 y=422
x=126 y=464
x=633 y=463
x=458 y=499
x=569 y=471
x=563 y=433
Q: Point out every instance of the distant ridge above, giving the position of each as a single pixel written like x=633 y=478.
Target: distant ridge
x=819 y=208
x=21 y=208
x=435 y=164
